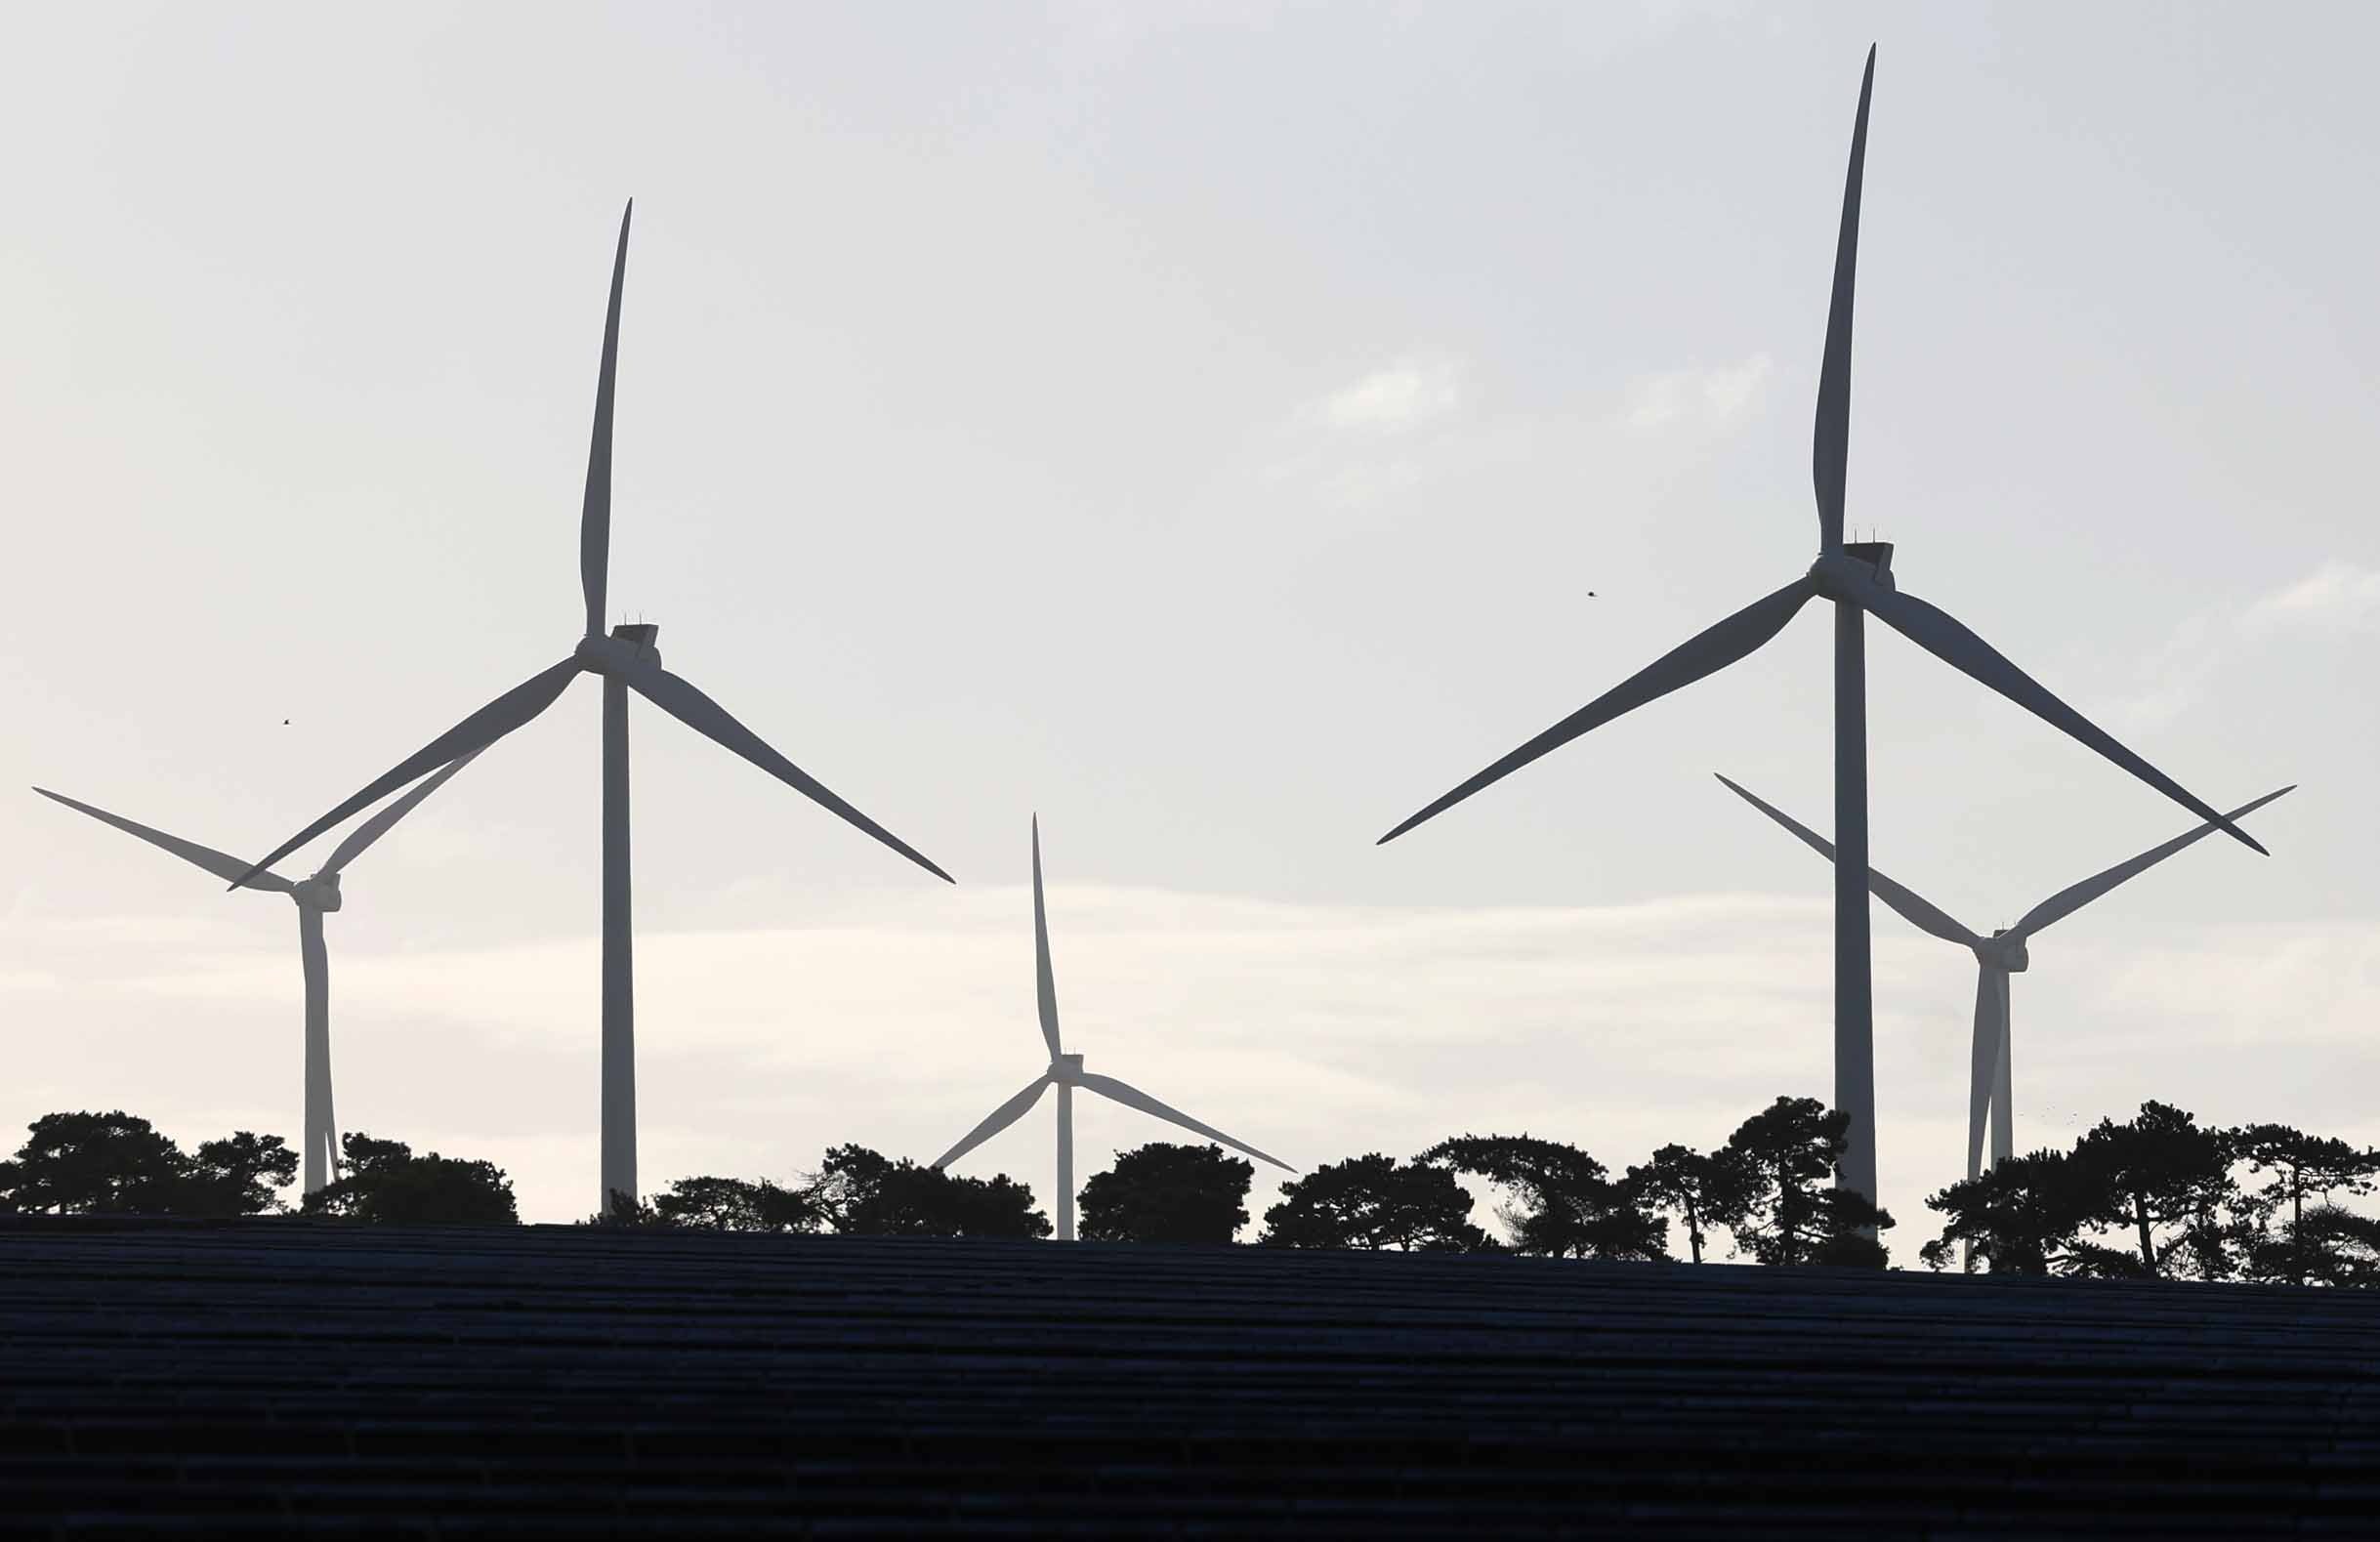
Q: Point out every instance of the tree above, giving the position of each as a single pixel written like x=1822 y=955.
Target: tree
x=1166 y=1193
x=860 y=1193
x=2168 y=1181
x=113 y=1163
x=731 y=1204
x=237 y=1176
x=2332 y=1245
x=1705 y=1191
x=384 y=1183
x=2023 y=1215
x=1782 y=1154
x=1375 y=1201
x=1560 y=1202
x=2301 y=1164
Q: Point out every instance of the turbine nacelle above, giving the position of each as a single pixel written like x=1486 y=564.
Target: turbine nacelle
x=2003 y=950
x=318 y=893
x=1858 y=569
x=629 y=649
x=1065 y=1070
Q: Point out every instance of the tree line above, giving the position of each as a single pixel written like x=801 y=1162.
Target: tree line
x=2154 y=1197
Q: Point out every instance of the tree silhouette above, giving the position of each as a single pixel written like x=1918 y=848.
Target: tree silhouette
x=1784 y=1154
x=1705 y=1191
x=113 y=1163
x=862 y=1192
x=1375 y=1201
x=384 y=1182
x=2300 y=1165
x=1558 y=1201
x=1168 y=1192
x=2332 y=1245
x=237 y=1176
x=2025 y=1216
x=2167 y=1180
x=731 y=1204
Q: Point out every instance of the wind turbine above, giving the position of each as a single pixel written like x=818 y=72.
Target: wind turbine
x=1065 y=1074
x=627 y=661
x=1859 y=578
x=316 y=896
x=2001 y=954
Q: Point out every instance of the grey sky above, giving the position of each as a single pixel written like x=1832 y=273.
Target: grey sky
x=1205 y=430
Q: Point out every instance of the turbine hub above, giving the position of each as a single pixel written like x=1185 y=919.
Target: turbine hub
x=2005 y=950
x=1858 y=568
x=1067 y=1071
x=628 y=646
x=318 y=893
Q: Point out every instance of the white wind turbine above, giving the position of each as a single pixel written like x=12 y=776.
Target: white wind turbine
x=1858 y=578
x=1998 y=956
x=627 y=661
x=1065 y=1074
x=316 y=896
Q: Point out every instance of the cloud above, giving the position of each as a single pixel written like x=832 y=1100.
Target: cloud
x=1697 y=398
x=2338 y=600
x=2336 y=595
x=1404 y=396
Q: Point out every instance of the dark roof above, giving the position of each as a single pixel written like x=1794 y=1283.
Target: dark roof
x=264 y=1376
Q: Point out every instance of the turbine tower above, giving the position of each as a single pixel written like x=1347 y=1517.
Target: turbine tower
x=627 y=661
x=1998 y=956
x=1065 y=1074
x=1859 y=578
x=316 y=896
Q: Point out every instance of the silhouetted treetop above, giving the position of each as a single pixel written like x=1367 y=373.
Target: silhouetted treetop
x=1785 y=1155
x=862 y=1192
x=384 y=1182
x=1558 y=1200
x=1168 y=1192
x=118 y=1163
x=1705 y=1191
x=1375 y=1201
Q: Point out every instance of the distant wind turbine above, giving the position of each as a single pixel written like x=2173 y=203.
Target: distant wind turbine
x=1996 y=957
x=316 y=896
x=1065 y=1074
x=627 y=660
x=1859 y=579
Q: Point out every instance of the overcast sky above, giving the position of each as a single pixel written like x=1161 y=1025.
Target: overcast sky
x=1205 y=428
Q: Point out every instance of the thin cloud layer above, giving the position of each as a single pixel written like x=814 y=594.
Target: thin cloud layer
x=1404 y=396
x=1709 y=398
x=2336 y=595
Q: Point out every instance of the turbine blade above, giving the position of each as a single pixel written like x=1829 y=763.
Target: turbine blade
x=1917 y=912
x=1704 y=655
x=1984 y=1063
x=2065 y=901
x=1134 y=1098
x=999 y=1120
x=1830 y=440
x=1045 y=984
x=1949 y=640
x=214 y=862
x=360 y=839
x=481 y=729
x=595 y=518
x=681 y=700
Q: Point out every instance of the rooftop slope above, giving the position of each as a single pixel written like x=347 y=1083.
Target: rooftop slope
x=265 y=1376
